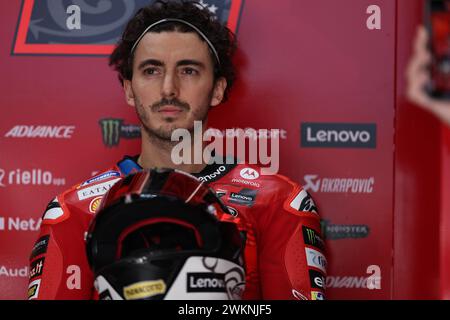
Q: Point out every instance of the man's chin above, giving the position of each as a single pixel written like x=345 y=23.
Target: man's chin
x=164 y=132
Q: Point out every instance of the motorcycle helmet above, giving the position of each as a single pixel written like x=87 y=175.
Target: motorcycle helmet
x=158 y=235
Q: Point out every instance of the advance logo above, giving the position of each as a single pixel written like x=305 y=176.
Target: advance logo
x=338 y=135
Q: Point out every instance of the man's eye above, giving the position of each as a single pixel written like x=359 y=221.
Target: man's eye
x=190 y=71
x=150 y=71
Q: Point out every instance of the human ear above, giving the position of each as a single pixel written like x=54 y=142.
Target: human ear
x=219 y=91
x=129 y=94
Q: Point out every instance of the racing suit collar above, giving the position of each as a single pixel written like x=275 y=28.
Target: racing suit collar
x=210 y=173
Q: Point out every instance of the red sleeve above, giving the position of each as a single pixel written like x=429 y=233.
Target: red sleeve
x=58 y=263
x=292 y=264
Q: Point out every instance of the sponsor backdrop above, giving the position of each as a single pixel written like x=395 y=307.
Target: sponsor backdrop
x=328 y=75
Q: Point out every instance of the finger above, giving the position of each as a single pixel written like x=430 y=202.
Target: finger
x=421 y=40
x=422 y=33
x=418 y=65
x=421 y=57
x=416 y=89
x=419 y=99
x=421 y=45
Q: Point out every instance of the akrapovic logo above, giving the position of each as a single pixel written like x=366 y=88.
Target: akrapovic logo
x=205 y=282
x=114 y=129
x=338 y=135
x=316 y=183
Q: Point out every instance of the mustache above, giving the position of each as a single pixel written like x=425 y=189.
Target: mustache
x=170 y=102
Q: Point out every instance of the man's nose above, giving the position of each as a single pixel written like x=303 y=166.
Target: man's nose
x=170 y=87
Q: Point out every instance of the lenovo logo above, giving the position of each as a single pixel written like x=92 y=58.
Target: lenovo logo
x=213 y=175
x=338 y=135
x=205 y=282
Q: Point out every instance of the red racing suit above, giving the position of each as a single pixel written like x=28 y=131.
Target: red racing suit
x=283 y=251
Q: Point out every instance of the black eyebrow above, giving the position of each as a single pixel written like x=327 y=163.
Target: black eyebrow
x=185 y=62
x=152 y=62
x=189 y=62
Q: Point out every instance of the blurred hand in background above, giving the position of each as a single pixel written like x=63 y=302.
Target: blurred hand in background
x=418 y=77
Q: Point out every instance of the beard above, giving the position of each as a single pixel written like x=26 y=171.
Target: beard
x=163 y=132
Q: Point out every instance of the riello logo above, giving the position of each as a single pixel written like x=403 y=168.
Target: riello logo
x=91 y=27
x=338 y=135
x=33 y=177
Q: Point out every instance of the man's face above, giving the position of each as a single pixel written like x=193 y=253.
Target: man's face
x=173 y=82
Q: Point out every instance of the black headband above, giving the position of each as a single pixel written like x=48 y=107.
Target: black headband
x=204 y=37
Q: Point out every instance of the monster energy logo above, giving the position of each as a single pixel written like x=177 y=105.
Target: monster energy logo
x=343 y=231
x=114 y=129
x=312 y=238
x=310 y=235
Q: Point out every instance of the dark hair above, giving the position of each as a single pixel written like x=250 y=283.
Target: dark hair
x=220 y=36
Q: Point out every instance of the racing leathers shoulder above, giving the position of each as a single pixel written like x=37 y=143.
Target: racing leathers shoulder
x=284 y=251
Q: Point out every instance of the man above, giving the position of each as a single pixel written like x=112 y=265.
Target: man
x=175 y=63
x=418 y=77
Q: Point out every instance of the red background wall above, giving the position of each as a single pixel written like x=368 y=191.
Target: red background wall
x=300 y=61
x=417 y=162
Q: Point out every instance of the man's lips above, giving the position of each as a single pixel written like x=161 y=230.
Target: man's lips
x=170 y=110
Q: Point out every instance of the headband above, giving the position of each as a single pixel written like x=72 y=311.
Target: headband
x=204 y=37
